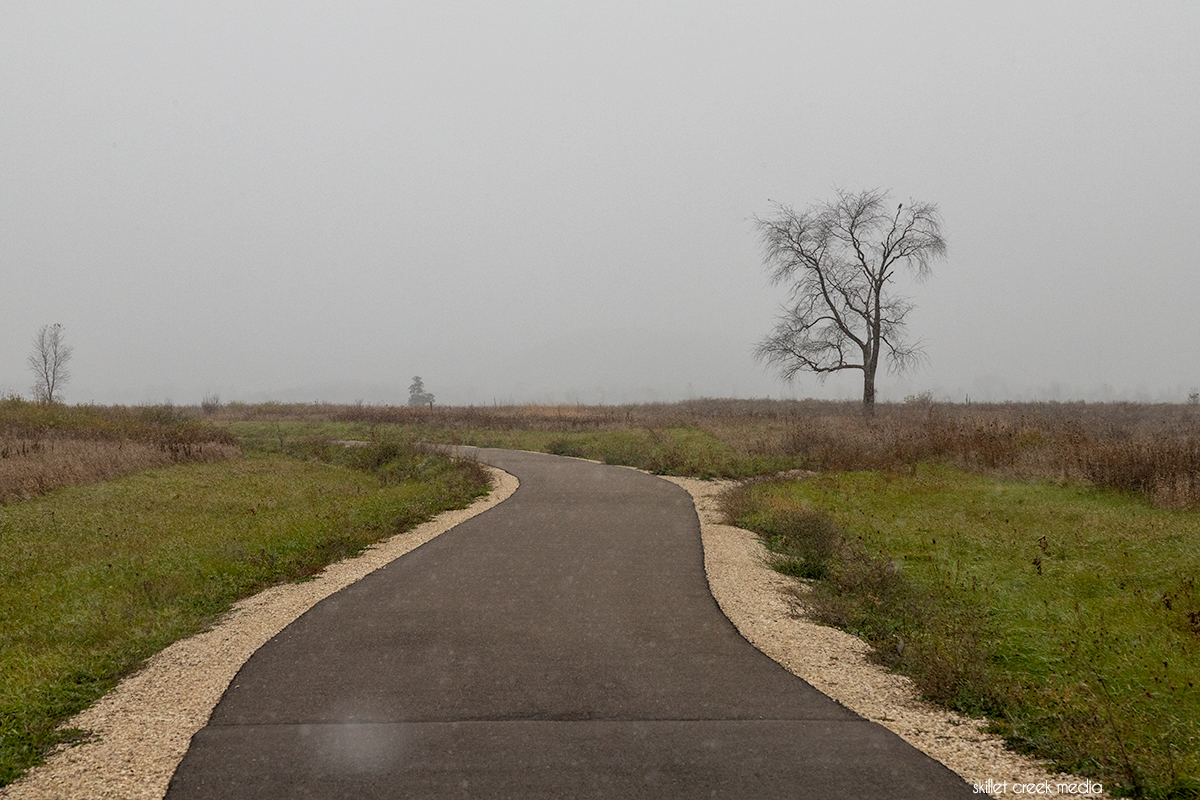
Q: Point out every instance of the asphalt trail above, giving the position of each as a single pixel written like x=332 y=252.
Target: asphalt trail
x=563 y=644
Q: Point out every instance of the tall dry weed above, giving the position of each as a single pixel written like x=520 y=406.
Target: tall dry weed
x=48 y=446
x=1148 y=448
x=54 y=463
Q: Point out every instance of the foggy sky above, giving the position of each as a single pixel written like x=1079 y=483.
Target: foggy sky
x=553 y=201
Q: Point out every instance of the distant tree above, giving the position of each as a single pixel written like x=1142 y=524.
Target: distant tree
x=417 y=396
x=48 y=362
x=841 y=258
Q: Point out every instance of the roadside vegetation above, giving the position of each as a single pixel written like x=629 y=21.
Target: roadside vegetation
x=1150 y=449
x=95 y=578
x=45 y=446
x=675 y=450
x=1036 y=563
x=1033 y=562
x=1069 y=615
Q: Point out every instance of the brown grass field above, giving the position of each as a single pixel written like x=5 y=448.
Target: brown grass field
x=1153 y=449
x=47 y=447
x=1150 y=449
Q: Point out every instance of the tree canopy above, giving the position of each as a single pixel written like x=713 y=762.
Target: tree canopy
x=48 y=363
x=417 y=396
x=841 y=258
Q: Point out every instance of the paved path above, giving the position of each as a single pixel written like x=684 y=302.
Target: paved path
x=563 y=644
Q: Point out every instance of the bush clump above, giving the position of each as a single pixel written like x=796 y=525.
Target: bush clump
x=803 y=542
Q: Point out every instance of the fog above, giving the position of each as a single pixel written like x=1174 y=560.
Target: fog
x=554 y=202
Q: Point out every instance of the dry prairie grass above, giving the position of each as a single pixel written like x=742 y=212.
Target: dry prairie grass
x=1151 y=449
x=49 y=446
x=34 y=467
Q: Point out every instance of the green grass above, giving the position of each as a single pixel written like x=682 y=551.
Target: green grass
x=96 y=578
x=1069 y=614
x=267 y=435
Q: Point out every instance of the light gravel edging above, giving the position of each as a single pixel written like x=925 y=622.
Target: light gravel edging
x=141 y=729
x=755 y=599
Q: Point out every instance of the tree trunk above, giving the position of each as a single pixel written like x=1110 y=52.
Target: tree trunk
x=870 y=364
x=869 y=391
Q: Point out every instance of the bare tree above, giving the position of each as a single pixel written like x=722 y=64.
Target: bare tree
x=841 y=258
x=48 y=362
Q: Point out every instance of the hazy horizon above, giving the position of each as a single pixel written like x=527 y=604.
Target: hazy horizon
x=554 y=203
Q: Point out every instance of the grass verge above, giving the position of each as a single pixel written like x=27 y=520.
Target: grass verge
x=1069 y=615
x=96 y=578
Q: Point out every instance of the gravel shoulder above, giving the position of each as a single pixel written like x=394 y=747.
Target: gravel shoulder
x=142 y=728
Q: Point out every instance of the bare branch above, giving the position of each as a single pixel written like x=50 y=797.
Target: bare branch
x=47 y=361
x=840 y=258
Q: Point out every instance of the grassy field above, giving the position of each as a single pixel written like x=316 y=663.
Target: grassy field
x=1068 y=614
x=1150 y=449
x=1035 y=562
x=97 y=577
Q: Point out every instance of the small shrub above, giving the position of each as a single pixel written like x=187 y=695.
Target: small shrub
x=804 y=542
x=924 y=399
x=565 y=447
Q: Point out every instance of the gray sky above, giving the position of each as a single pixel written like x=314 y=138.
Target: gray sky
x=551 y=201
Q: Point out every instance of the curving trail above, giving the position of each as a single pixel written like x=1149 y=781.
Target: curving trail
x=562 y=644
